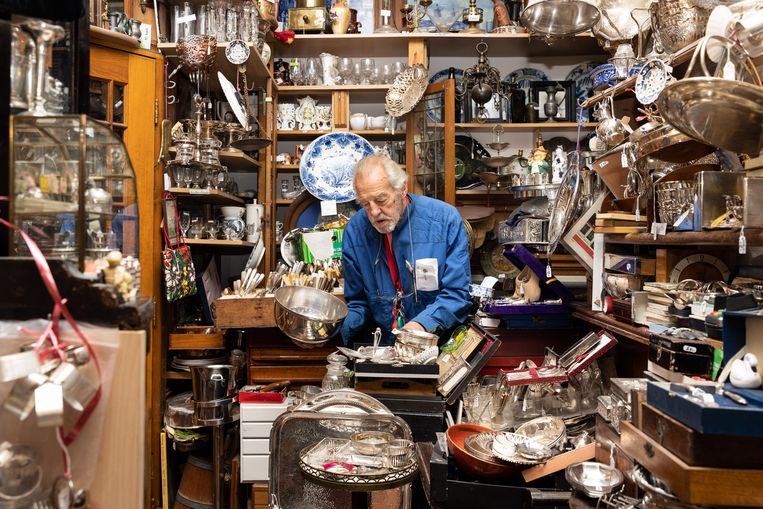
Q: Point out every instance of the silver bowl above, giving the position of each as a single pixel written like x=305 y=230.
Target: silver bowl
x=307 y=315
x=559 y=18
x=593 y=479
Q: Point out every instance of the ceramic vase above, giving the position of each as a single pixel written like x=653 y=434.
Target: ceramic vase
x=329 y=65
x=340 y=16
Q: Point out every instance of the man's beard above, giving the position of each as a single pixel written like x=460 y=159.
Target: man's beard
x=391 y=221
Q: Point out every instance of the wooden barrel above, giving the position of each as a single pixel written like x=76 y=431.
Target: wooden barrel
x=197 y=485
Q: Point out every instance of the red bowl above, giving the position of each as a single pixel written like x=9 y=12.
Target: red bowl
x=474 y=466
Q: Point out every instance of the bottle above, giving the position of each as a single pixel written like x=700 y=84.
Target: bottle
x=335 y=377
x=458 y=104
x=517 y=105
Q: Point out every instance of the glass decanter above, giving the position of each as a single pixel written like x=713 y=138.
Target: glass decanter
x=336 y=369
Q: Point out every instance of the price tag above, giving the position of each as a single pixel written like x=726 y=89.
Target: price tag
x=185 y=19
x=473 y=18
x=729 y=71
x=638 y=214
x=548 y=271
x=659 y=228
x=386 y=13
x=199 y=191
x=623 y=159
x=742 y=242
x=328 y=208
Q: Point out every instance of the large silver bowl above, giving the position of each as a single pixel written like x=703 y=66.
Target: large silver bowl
x=616 y=25
x=559 y=18
x=307 y=315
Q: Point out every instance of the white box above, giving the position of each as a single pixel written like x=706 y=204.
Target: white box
x=261 y=412
x=254 y=467
x=256 y=429
x=255 y=446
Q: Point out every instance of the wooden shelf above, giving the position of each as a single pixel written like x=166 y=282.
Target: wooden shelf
x=705 y=238
x=547 y=126
x=213 y=196
x=447 y=44
x=177 y=375
x=218 y=243
x=583 y=311
x=287 y=167
x=300 y=134
x=325 y=89
x=256 y=70
x=379 y=133
x=678 y=58
x=482 y=192
x=283 y=201
x=239 y=162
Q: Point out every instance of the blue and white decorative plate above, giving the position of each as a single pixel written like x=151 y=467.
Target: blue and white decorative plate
x=581 y=75
x=328 y=164
x=524 y=76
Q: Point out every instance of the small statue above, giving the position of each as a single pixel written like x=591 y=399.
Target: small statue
x=538 y=162
x=118 y=276
x=558 y=164
x=500 y=16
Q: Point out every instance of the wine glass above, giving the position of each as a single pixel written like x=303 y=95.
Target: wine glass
x=398 y=67
x=187 y=177
x=197 y=176
x=345 y=70
x=376 y=77
x=367 y=68
x=212 y=228
x=387 y=74
x=357 y=73
x=312 y=72
x=185 y=222
x=197 y=228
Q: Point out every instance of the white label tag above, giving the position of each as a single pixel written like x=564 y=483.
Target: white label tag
x=548 y=271
x=623 y=159
x=328 y=208
x=199 y=191
x=427 y=278
x=638 y=214
x=473 y=18
x=742 y=243
x=186 y=19
x=659 y=228
x=386 y=13
x=729 y=71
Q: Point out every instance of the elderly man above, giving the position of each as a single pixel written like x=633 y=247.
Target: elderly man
x=405 y=258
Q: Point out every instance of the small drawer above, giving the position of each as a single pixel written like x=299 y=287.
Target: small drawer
x=261 y=412
x=254 y=467
x=256 y=429
x=255 y=446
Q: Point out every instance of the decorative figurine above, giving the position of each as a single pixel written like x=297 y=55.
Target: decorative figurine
x=118 y=276
x=340 y=16
x=558 y=164
x=538 y=162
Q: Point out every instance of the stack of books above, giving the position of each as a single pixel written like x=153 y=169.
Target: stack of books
x=619 y=222
x=658 y=306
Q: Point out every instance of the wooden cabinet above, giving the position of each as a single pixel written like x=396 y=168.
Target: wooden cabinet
x=126 y=90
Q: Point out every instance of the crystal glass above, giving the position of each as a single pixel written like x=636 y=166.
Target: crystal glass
x=222 y=10
x=212 y=19
x=296 y=182
x=197 y=176
x=367 y=67
x=231 y=22
x=209 y=176
x=45 y=35
x=202 y=20
x=357 y=73
x=344 y=67
x=376 y=77
x=185 y=222
x=398 y=67
x=284 y=188
x=188 y=177
x=254 y=19
x=197 y=228
x=312 y=72
x=295 y=72
x=387 y=74
x=245 y=22
x=384 y=23
x=212 y=229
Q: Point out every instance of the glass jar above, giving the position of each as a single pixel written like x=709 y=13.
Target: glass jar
x=336 y=369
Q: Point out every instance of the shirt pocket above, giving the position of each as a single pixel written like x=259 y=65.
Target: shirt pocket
x=427 y=278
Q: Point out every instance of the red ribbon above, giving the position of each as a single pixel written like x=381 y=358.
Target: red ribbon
x=52 y=333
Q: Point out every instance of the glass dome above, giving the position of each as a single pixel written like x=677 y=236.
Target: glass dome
x=72 y=190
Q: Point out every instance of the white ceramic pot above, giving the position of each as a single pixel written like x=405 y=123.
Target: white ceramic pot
x=233 y=212
x=358 y=121
x=377 y=122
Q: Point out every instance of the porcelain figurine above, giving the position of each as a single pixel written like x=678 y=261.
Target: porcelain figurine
x=538 y=162
x=118 y=276
x=558 y=164
x=286 y=113
x=306 y=114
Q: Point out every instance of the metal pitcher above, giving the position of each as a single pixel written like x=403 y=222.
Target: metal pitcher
x=213 y=382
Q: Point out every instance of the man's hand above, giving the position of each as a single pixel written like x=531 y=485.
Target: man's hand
x=414 y=326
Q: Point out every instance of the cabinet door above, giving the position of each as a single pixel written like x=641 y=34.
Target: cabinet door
x=430 y=140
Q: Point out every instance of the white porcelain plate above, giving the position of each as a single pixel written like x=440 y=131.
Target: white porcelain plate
x=652 y=80
x=328 y=164
x=234 y=99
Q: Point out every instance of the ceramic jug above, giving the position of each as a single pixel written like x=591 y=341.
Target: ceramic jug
x=330 y=73
x=286 y=116
x=340 y=16
x=358 y=121
x=355 y=25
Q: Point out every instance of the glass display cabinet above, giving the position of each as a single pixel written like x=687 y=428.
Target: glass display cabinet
x=72 y=189
x=431 y=143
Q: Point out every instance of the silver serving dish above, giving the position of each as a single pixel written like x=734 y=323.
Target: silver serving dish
x=678 y=23
x=559 y=18
x=593 y=479
x=563 y=210
x=547 y=430
x=481 y=445
x=307 y=315
x=617 y=24
x=723 y=113
x=343 y=401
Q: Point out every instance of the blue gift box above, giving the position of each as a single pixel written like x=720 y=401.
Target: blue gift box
x=728 y=418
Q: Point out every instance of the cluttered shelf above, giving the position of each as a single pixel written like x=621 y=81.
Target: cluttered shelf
x=639 y=334
x=678 y=58
x=328 y=89
x=704 y=238
x=256 y=69
x=213 y=196
x=548 y=126
x=219 y=243
x=234 y=160
x=583 y=311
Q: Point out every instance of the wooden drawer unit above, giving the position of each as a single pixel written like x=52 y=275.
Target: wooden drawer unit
x=273 y=357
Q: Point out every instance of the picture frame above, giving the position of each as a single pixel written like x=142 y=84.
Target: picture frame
x=169 y=207
x=567 y=107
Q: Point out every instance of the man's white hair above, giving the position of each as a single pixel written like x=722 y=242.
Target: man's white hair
x=395 y=174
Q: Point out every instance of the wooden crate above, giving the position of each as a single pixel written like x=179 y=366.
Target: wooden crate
x=243 y=312
x=693 y=485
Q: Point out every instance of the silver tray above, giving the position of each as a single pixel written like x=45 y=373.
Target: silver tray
x=535 y=190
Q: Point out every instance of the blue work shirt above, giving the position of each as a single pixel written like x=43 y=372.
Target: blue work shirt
x=428 y=228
